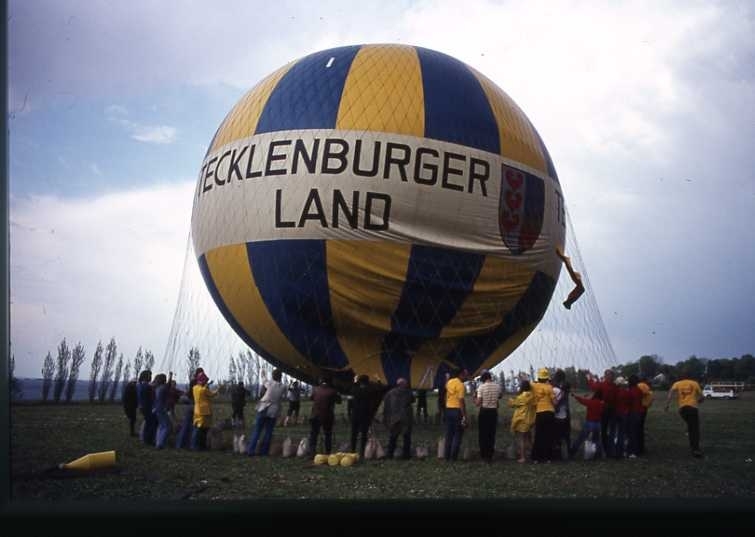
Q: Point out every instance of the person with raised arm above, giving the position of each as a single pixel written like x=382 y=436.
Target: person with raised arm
x=576 y=278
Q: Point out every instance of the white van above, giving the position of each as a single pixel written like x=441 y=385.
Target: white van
x=718 y=392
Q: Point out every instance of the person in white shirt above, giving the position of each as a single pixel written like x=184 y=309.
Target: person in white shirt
x=486 y=399
x=268 y=408
x=562 y=415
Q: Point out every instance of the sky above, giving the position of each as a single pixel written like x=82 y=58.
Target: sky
x=647 y=109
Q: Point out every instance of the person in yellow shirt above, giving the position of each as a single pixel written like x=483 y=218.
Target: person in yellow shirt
x=689 y=395
x=202 y=411
x=542 y=391
x=456 y=413
x=523 y=419
x=647 y=401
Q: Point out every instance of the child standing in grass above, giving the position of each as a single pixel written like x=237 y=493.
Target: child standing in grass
x=523 y=419
x=592 y=423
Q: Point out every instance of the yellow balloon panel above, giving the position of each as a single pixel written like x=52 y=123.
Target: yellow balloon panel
x=379 y=209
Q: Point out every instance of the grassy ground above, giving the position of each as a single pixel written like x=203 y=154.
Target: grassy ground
x=43 y=435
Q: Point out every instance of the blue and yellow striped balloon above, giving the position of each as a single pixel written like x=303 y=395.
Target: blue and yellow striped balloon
x=379 y=209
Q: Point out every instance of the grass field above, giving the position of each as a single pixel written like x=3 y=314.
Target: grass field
x=43 y=435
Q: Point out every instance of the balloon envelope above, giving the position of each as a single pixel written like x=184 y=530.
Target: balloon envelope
x=379 y=209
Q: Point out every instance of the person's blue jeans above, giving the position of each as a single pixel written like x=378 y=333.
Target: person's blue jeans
x=183 y=438
x=163 y=428
x=608 y=430
x=150 y=427
x=454 y=433
x=633 y=430
x=262 y=423
x=199 y=438
x=592 y=429
x=622 y=422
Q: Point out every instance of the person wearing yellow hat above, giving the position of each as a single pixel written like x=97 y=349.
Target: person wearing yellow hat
x=542 y=390
x=202 y=411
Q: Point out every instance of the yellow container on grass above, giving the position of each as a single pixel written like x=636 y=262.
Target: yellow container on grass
x=92 y=461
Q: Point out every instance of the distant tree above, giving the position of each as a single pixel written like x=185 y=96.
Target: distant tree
x=95 y=371
x=581 y=383
x=628 y=369
x=744 y=367
x=77 y=358
x=649 y=365
x=502 y=380
x=571 y=376
x=61 y=372
x=693 y=366
x=669 y=374
x=16 y=387
x=149 y=360
x=232 y=370
x=107 y=370
x=126 y=373
x=48 y=370
x=192 y=362
x=242 y=367
x=116 y=378
x=138 y=361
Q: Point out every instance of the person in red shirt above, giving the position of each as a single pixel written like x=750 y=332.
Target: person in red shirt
x=623 y=402
x=592 y=423
x=607 y=388
x=635 y=417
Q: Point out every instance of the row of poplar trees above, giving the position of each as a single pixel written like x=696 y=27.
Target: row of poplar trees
x=107 y=370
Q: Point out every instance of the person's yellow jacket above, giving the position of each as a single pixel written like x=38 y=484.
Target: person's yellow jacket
x=647 y=394
x=202 y=407
x=544 y=397
x=524 y=412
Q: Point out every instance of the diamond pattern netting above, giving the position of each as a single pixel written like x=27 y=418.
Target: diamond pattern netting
x=563 y=338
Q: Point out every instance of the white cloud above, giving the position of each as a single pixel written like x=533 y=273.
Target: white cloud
x=116 y=112
x=154 y=134
x=90 y=269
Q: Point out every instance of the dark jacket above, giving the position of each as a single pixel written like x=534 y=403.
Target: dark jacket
x=397 y=409
x=129 y=396
x=324 y=399
x=145 y=396
x=238 y=396
x=362 y=404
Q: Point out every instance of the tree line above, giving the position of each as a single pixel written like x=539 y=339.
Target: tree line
x=652 y=367
x=108 y=370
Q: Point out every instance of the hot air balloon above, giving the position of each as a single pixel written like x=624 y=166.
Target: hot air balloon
x=379 y=209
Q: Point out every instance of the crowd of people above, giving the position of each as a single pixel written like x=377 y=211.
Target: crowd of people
x=614 y=425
